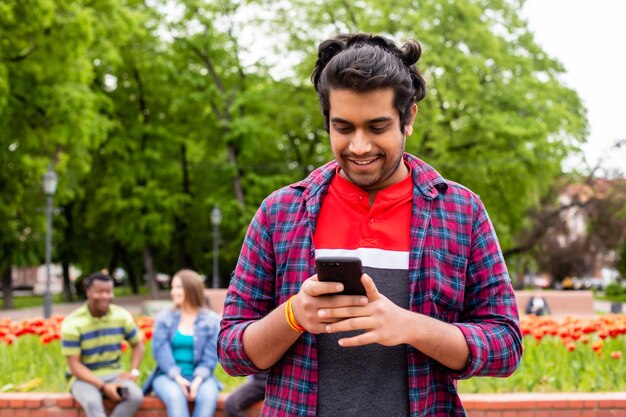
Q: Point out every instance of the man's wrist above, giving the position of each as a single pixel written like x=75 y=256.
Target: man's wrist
x=135 y=372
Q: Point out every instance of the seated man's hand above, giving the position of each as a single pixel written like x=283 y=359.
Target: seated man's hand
x=128 y=376
x=110 y=391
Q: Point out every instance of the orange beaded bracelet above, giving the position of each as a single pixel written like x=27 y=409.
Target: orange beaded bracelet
x=291 y=319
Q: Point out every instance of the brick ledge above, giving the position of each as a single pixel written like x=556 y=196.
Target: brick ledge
x=477 y=405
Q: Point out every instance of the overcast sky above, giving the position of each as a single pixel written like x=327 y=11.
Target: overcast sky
x=589 y=38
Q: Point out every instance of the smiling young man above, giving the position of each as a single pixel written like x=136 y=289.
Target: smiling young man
x=439 y=305
x=91 y=338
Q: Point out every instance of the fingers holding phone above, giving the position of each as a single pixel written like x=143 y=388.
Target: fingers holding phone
x=336 y=284
x=110 y=390
x=381 y=320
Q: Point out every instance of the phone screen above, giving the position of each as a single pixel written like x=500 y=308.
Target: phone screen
x=347 y=270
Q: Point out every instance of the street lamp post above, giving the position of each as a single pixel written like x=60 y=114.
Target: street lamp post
x=50 y=180
x=216 y=219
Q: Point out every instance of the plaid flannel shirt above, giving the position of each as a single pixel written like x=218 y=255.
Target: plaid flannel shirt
x=456 y=274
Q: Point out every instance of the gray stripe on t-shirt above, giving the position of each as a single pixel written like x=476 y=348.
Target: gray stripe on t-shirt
x=368 y=380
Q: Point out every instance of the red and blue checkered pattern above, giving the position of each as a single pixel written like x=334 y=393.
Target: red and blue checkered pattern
x=457 y=275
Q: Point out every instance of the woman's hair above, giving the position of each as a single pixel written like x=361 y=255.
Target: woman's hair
x=364 y=62
x=193 y=287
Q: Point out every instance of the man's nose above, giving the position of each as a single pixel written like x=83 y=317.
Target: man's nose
x=360 y=143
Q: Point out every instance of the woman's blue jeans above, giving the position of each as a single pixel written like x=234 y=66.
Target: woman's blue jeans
x=175 y=401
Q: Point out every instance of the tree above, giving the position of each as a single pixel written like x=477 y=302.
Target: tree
x=154 y=112
x=47 y=113
x=580 y=230
x=496 y=117
x=621 y=262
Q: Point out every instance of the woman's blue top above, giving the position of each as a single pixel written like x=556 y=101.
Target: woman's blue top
x=182 y=350
x=204 y=344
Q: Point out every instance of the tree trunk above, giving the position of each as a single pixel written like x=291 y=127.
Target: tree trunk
x=67 y=284
x=7 y=288
x=237 y=187
x=184 y=260
x=65 y=249
x=149 y=267
x=131 y=271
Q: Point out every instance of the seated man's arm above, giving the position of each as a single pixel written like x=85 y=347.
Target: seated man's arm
x=131 y=335
x=137 y=356
x=80 y=371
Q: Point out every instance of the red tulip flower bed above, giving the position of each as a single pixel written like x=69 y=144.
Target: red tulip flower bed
x=560 y=355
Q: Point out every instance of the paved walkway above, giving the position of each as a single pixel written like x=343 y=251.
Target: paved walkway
x=133 y=303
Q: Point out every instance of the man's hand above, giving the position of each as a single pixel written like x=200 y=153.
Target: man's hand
x=184 y=385
x=383 y=321
x=127 y=376
x=110 y=391
x=193 y=389
x=315 y=296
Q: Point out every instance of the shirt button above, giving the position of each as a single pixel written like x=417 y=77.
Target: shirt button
x=371 y=220
x=360 y=198
x=313 y=387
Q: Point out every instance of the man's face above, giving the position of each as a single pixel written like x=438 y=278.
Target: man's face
x=366 y=138
x=99 y=296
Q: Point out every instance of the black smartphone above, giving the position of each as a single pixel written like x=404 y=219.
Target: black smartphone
x=347 y=270
x=122 y=392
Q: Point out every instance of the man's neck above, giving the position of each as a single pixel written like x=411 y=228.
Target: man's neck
x=96 y=314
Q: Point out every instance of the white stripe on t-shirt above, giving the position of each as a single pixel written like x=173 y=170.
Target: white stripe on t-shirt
x=371 y=257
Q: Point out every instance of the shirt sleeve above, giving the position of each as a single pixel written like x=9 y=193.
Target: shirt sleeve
x=490 y=320
x=70 y=338
x=131 y=332
x=249 y=296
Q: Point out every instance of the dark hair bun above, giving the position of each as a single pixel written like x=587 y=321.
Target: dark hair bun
x=411 y=52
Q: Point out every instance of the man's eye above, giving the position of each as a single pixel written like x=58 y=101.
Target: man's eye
x=343 y=129
x=378 y=129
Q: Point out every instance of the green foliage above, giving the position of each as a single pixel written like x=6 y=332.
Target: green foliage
x=615 y=289
x=549 y=367
x=621 y=263
x=153 y=115
x=545 y=367
x=496 y=117
x=47 y=373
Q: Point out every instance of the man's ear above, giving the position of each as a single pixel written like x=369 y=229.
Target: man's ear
x=409 y=125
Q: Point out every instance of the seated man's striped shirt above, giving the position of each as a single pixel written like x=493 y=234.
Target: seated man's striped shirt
x=98 y=340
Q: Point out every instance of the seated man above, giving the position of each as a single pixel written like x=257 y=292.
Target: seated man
x=246 y=395
x=91 y=338
x=537 y=304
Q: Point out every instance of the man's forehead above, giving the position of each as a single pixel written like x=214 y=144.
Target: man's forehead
x=100 y=284
x=376 y=104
